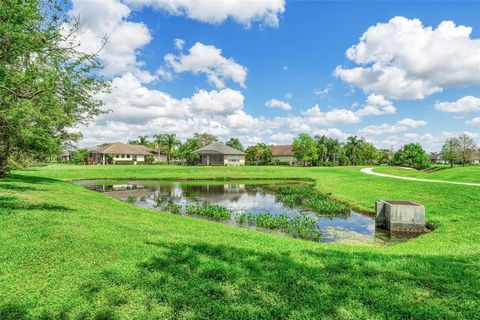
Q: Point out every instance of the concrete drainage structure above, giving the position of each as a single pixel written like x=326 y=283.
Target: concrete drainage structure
x=395 y=215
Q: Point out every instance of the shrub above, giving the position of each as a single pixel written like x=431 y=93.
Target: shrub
x=209 y=210
x=299 y=226
x=308 y=197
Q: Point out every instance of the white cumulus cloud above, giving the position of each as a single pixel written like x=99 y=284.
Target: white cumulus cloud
x=274 y=103
x=474 y=122
x=462 y=105
x=387 y=128
x=208 y=60
x=265 y=12
x=376 y=105
x=403 y=59
x=108 y=18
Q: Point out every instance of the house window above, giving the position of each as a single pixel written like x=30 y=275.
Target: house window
x=134 y=157
x=233 y=159
x=128 y=156
x=117 y=156
x=123 y=156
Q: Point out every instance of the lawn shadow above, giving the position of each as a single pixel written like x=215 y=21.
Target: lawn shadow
x=202 y=281
x=8 y=204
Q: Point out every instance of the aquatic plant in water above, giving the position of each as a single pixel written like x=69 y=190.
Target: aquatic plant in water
x=172 y=208
x=307 y=196
x=131 y=199
x=299 y=226
x=209 y=210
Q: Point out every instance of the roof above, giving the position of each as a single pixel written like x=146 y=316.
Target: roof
x=218 y=147
x=123 y=148
x=282 y=150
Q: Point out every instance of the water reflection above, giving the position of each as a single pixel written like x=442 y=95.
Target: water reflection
x=252 y=197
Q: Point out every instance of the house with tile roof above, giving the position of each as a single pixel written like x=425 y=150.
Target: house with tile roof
x=118 y=152
x=218 y=153
x=283 y=154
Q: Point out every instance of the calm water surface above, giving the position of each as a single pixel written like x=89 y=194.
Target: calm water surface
x=252 y=197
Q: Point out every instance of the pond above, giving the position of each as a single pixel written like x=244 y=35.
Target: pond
x=278 y=207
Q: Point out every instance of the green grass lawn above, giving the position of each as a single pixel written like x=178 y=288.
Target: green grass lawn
x=457 y=173
x=70 y=253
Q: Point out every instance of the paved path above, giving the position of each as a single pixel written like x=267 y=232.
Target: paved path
x=370 y=171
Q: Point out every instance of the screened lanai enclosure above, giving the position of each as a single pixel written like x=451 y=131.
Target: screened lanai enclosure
x=218 y=153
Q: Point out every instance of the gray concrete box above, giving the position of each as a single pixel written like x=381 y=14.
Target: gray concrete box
x=398 y=215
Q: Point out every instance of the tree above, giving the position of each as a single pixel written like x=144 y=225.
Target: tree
x=205 y=138
x=385 y=156
x=334 y=150
x=353 y=149
x=259 y=153
x=235 y=143
x=304 y=148
x=142 y=140
x=411 y=155
x=186 y=150
x=369 y=153
x=79 y=156
x=322 y=148
x=451 y=151
x=159 y=142
x=467 y=148
x=170 y=142
x=47 y=86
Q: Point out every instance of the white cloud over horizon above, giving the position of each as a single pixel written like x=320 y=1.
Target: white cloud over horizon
x=403 y=59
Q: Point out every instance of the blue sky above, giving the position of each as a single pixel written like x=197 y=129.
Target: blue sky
x=291 y=59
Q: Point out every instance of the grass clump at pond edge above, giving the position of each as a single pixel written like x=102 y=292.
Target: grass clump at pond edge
x=209 y=210
x=299 y=226
x=307 y=196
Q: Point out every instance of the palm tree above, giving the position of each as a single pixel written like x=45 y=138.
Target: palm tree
x=171 y=142
x=142 y=140
x=354 y=147
x=334 y=149
x=159 y=140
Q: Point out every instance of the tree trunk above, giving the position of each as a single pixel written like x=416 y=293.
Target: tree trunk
x=3 y=164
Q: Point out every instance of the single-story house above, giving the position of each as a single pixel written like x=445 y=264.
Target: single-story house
x=476 y=158
x=283 y=154
x=218 y=153
x=436 y=158
x=119 y=152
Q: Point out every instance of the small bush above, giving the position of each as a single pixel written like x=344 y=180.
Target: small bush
x=209 y=210
x=299 y=226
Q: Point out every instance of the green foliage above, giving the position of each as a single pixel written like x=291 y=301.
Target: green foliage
x=259 y=153
x=451 y=151
x=79 y=156
x=411 y=155
x=174 y=208
x=46 y=85
x=167 y=144
x=186 y=151
x=310 y=198
x=235 y=143
x=299 y=226
x=131 y=199
x=149 y=159
x=354 y=149
x=209 y=210
x=204 y=138
x=304 y=149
